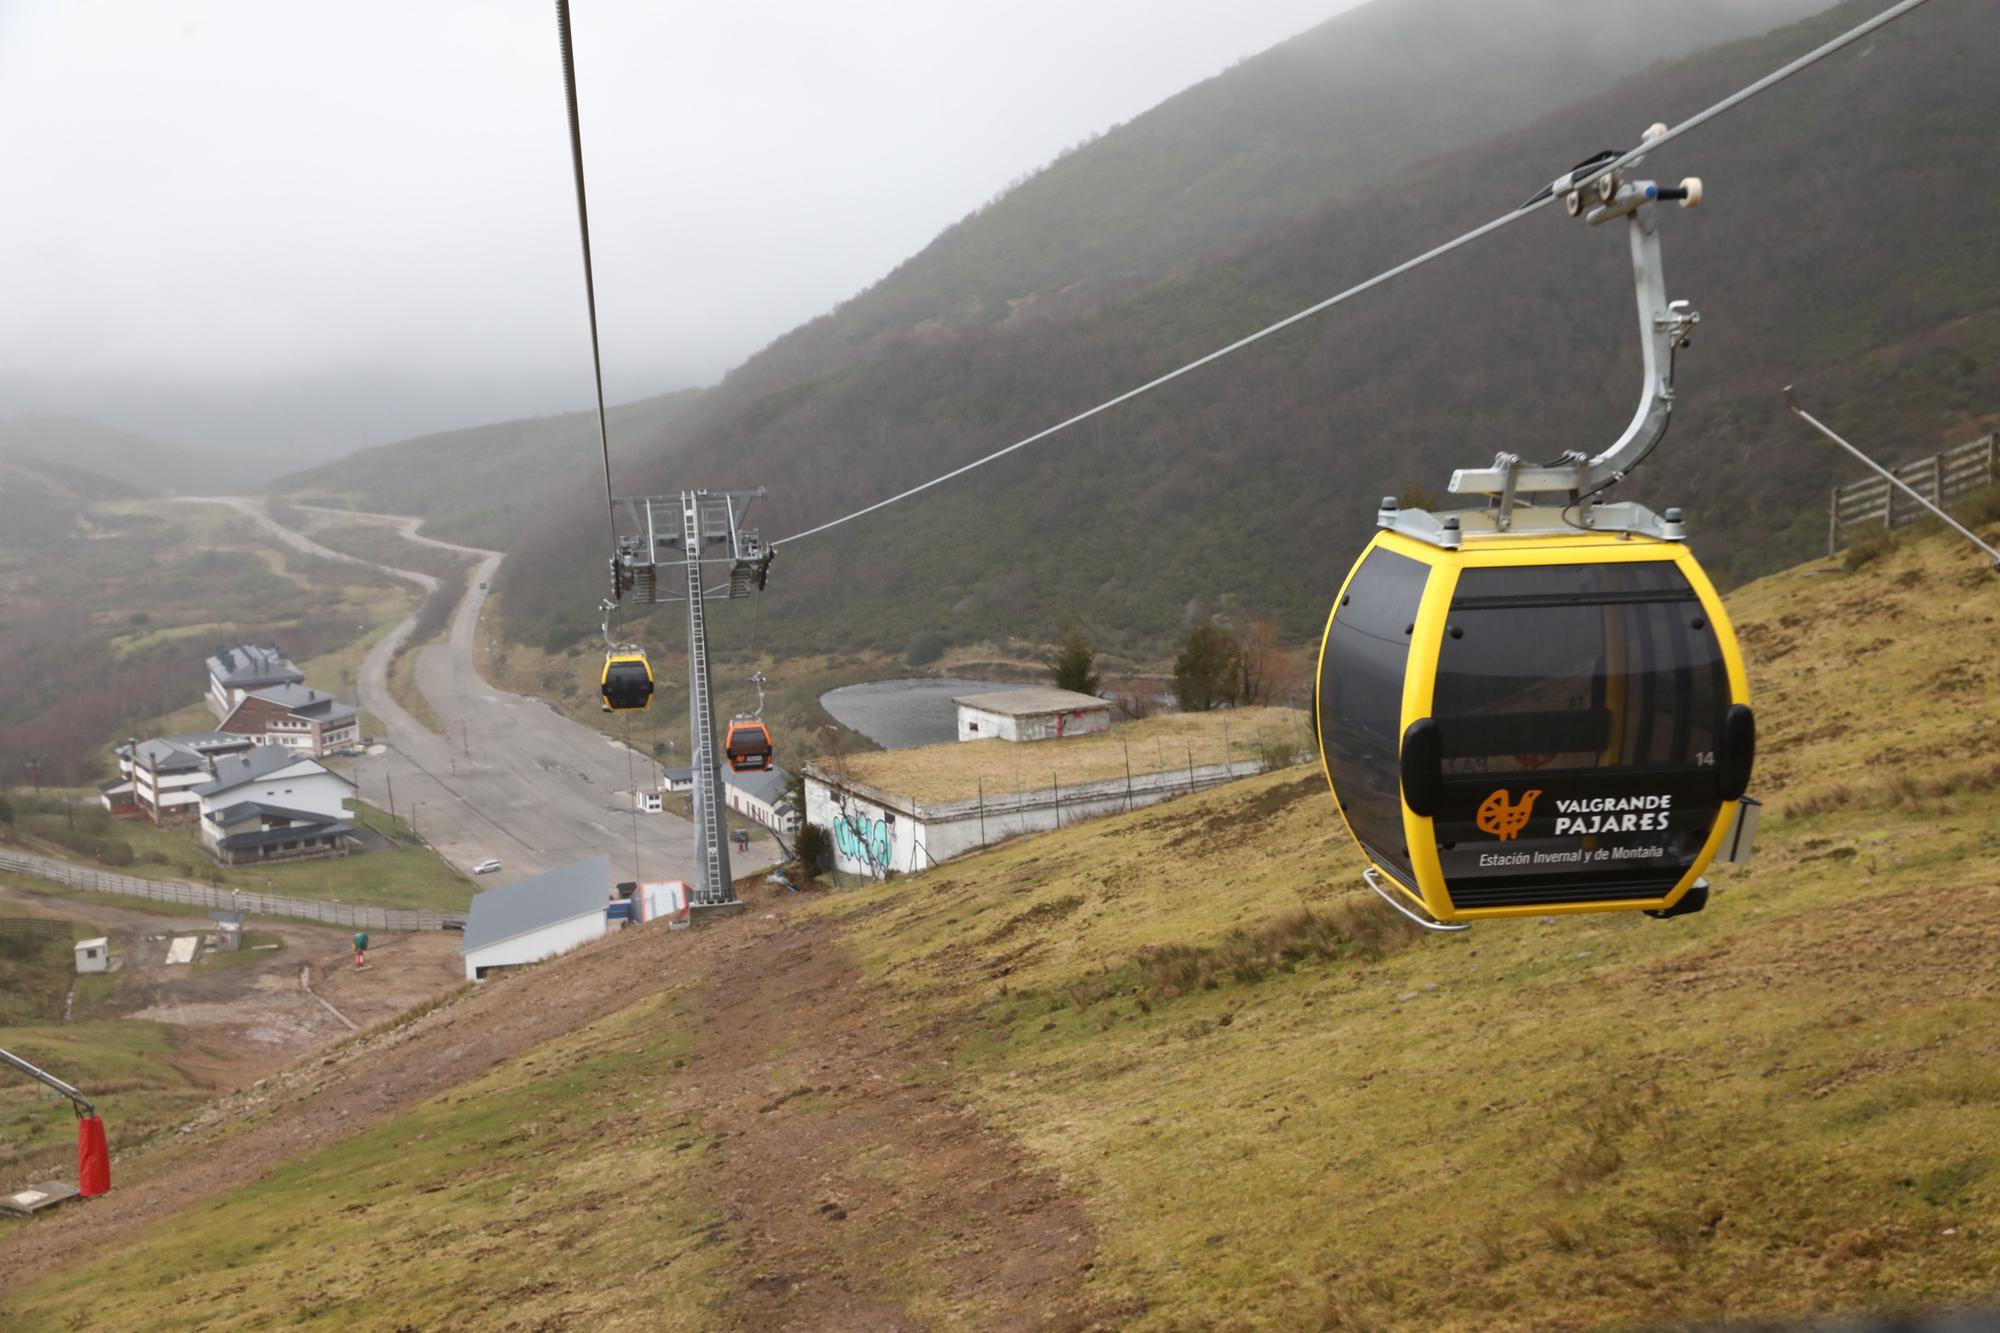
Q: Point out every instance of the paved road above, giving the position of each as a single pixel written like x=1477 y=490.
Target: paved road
x=513 y=779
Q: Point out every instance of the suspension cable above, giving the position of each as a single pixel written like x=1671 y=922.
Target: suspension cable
x=583 y=230
x=1539 y=201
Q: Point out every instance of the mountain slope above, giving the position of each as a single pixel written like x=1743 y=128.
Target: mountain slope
x=480 y=485
x=1070 y=1081
x=1250 y=485
x=126 y=459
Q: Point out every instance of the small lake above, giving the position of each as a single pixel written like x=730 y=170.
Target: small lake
x=897 y=714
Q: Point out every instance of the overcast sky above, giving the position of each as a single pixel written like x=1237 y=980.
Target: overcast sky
x=316 y=225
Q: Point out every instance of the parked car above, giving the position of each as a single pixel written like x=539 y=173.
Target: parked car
x=486 y=867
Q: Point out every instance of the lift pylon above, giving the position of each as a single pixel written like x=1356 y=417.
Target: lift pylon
x=694 y=548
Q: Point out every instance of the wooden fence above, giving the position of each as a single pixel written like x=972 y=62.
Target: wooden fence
x=1940 y=479
x=232 y=900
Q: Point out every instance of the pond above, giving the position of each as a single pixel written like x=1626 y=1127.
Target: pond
x=897 y=714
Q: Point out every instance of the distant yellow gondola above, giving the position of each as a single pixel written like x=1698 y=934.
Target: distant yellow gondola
x=627 y=682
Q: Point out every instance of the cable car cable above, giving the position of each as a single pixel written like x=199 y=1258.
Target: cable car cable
x=583 y=231
x=1594 y=167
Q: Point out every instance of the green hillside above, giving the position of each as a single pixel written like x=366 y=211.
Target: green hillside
x=1176 y=1069
x=481 y=485
x=1249 y=486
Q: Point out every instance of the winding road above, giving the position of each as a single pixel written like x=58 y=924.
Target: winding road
x=512 y=778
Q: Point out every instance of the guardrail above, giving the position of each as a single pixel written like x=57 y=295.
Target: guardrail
x=232 y=900
x=1940 y=479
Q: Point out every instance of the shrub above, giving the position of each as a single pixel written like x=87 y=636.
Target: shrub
x=813 y=848
x=923 y=648
x=1072 y=666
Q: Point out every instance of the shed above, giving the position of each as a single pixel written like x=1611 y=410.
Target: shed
x=93 y=955
x=1035 y=713
x=536 y=918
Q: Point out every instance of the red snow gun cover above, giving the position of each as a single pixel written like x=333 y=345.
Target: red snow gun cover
x=93 y=1157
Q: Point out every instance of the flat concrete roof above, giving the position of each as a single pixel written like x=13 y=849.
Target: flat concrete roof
x=1031 y=701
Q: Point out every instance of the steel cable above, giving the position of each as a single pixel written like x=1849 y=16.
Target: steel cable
x=1541 y=200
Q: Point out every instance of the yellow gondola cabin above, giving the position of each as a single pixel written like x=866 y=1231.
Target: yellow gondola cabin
x=627 y=682
x=1534 y=722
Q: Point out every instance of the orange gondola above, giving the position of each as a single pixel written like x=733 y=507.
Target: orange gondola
x=748 y=746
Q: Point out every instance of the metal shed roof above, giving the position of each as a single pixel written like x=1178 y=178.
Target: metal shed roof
x=540 y=900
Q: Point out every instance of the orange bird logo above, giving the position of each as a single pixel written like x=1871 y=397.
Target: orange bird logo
x=1503 y=818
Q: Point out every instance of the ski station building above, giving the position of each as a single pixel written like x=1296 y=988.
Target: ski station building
x=903 y=811
x=536 y=918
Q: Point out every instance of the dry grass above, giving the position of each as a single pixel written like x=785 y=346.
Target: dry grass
x=1783 y=1104
x=1169 y=743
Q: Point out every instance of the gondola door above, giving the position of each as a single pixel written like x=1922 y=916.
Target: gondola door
x=1582 y=713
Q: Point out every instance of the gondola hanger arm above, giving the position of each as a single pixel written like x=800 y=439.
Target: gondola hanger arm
x=1665 y=326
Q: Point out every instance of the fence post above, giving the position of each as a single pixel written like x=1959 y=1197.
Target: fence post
x=1833 y=523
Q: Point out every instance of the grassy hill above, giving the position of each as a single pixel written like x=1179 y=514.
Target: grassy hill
x=1175 y=1069
x=1831 y=253
x=480 y=485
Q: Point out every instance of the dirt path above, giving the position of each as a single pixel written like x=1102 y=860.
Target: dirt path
x=853 y=1178
x=854 y=1182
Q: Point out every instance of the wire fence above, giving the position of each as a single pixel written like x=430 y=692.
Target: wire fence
x=232 y=900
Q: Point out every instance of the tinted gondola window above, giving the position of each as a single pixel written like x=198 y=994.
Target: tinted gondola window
x=1579 y=712
x=1360 y=699
x=1578 y=666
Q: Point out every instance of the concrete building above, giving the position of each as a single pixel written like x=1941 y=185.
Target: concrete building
x=254 y=833
x=275 y=777
x=93 y=955
x=762 y=797
x=268 y=804
x=1033 y=713
x=157 y=779
x=876 y=831
x=234 y=672
x=297 y=717
x=536 y=918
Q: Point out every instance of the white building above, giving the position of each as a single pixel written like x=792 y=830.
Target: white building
x=275 y=777
x=877 y=831
x=1034 y=713
x=532 y=919
x=762 y=797
x=234 y=672
x=158 y=778
x=93 y=955
x=297 y=717
x=269 y=804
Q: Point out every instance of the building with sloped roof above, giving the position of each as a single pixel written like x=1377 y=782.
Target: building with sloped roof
x=536 y=918
x=255 y=833
x=295 y=717
x=157 y=778
x=234 y=672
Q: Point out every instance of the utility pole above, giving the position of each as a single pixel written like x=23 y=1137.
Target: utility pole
x=465 y=736
x=390 y=778
x=34 y=766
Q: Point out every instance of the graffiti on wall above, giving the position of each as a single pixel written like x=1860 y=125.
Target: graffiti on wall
x=859 y=840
